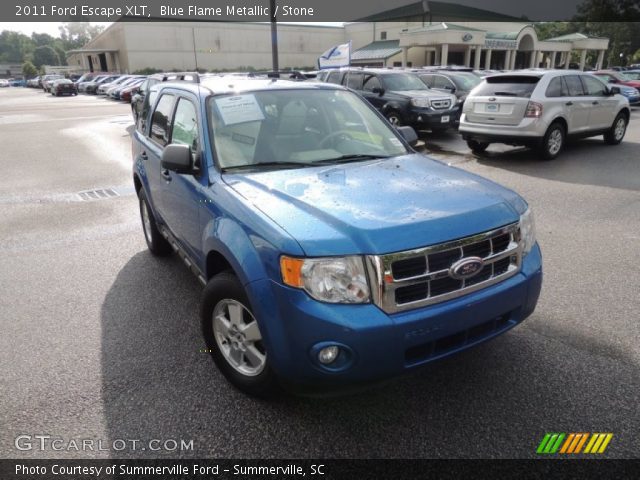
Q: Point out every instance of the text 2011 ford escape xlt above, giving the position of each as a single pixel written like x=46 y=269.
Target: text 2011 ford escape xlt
x=331 y=252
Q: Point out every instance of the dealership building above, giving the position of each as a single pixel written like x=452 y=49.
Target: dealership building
x=419 y=34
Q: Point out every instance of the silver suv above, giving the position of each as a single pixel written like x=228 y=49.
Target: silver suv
x=541 y=109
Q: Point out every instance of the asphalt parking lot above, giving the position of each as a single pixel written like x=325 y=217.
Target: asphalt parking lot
x=100 y=340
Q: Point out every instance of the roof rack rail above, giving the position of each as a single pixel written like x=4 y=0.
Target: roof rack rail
x=193 y=77
x=292 y=74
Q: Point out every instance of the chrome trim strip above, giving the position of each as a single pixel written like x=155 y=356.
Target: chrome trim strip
x=384 y=285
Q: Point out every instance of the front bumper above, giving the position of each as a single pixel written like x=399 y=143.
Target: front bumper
x=379 y=345
x=430 y=118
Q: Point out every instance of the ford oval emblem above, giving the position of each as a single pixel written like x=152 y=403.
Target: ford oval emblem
x=466 y=268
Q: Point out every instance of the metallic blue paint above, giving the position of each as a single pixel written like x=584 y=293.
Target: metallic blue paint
x=370 y=207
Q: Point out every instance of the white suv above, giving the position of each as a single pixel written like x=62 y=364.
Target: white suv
x=540 y=109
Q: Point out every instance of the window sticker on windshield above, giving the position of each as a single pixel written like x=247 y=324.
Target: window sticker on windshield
x=395 y=142
x=239 y=109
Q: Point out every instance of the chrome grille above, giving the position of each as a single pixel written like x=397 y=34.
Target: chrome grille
x=416 y=278
x=441 y=104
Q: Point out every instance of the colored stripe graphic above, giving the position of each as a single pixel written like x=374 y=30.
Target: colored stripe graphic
x=573 y=443
x=592 y=441
x=543 y=443
x=581 y=443
x=551 y=443
x=605 y=444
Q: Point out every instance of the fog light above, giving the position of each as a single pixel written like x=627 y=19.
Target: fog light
x=328 y=354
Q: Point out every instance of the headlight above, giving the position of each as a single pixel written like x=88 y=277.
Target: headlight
x=331 y=279
x=527 y=230
x=420 y=102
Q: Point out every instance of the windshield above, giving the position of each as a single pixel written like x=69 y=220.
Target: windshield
x=297 y=128
x=403 y=81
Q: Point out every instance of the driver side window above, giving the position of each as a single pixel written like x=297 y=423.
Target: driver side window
x=184 y=129
x=371 y=82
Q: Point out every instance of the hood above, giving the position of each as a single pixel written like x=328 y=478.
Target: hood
x=631 y=83
x=378 y=206
x=422 y=94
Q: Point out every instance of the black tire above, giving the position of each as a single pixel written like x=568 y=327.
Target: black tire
x=157 y=244
x=618 y=128
x=219 y=292
x=553 y=141
x=394 y=117
x=476 y=146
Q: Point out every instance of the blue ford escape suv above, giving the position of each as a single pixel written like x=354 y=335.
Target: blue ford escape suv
x=331 y=252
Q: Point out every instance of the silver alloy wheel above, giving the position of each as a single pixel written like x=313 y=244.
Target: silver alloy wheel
x=554 y=144
x=146 y=221
x=238 y=337
x=621 y=126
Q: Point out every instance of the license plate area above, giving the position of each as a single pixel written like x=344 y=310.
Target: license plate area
x=444 y=119
x=492 y=107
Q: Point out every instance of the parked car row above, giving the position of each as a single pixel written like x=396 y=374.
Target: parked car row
x=537 y=108
x=115 y=86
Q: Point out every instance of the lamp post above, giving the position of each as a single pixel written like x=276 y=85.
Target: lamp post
x=274 y=36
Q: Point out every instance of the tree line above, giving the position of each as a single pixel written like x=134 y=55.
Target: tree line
x=39 y=49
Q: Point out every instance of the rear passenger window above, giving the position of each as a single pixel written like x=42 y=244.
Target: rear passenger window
x=354 y=80
x=160 y=120
x=556 y=88
x=593 y=86
x=334 y=77
x=574 y=85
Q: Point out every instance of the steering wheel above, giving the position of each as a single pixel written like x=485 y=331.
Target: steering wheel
x=342 y=134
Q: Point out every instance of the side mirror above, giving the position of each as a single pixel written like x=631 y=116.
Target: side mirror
x=614 y=90
x=177 y=158
x=378 y=90
x=409 y=134
x=450 y=88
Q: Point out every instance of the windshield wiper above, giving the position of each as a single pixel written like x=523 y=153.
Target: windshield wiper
x=349 y=158
x=506 y=94
x=267 y=164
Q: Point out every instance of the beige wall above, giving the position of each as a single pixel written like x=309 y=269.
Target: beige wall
x=170 y=45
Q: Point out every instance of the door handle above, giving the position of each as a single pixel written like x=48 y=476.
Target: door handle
x=568 y=104
x=595 y=102
x=166 y=174
x=144 y=156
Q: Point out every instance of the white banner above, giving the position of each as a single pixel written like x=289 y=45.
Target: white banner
x=338 y=56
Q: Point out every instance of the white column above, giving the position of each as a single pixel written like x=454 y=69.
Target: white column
x=405 y=51
x=444 y=54
x=583 y=59
x=513 y=59
x=600 y=60
x=467 y=56
x=487 y=59
x=553 y=60
x=533 y=57
x=567 y=60
x=476 y=59
x=507 y=60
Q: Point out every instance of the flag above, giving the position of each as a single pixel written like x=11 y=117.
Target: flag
x=338 y=56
